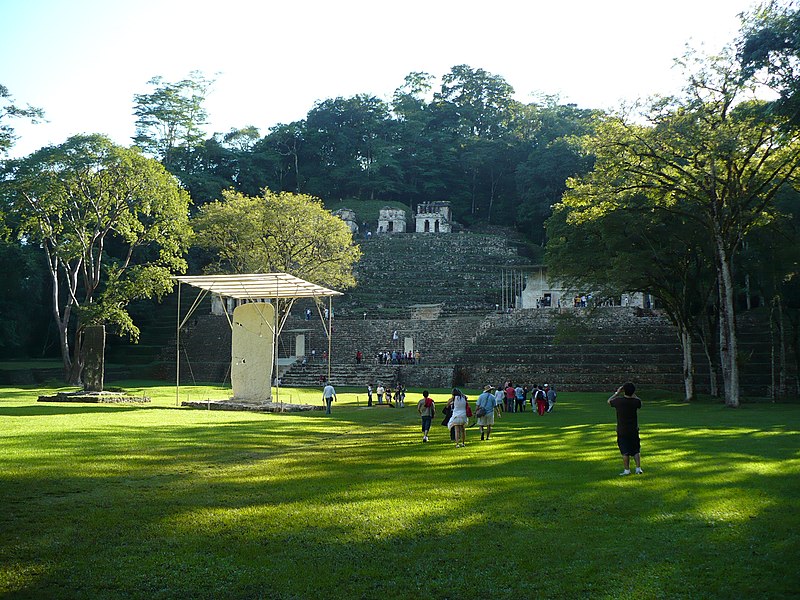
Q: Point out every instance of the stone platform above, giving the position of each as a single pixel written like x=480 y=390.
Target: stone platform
x=233 y=404
x=94 y=398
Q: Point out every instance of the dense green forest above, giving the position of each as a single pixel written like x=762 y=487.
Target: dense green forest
x=469 y=141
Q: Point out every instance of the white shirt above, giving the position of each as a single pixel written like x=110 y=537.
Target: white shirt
x=329 y=392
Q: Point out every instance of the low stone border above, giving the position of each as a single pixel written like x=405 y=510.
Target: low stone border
x=233 y=404
x=94 y=398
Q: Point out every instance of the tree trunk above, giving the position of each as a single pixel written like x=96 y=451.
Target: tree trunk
x=747 y=291
x=728 y=347
x=782 y=352
x=772 y=386
x=709 y=351
x=75 y=374
x=62 y=323
x=712 y=377
x=474 y=195
x=688 y=365
x=66 y=357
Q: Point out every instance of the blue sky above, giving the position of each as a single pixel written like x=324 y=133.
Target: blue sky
x=83 y=60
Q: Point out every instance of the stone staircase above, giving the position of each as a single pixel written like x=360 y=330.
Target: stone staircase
x=574 y=349
x=352 y=375
x=463 y=340
x=587 y=350
x=460 y=271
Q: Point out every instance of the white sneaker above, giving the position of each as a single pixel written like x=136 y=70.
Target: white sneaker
x=626 y=472
x=639 y=471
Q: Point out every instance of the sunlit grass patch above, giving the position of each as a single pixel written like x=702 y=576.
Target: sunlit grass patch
x=157 y=501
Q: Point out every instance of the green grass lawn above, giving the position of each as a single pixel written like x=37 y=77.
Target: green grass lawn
x=153 y=501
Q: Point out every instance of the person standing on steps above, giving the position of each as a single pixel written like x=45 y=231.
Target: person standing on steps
x=427 y=410
x=627 y=405
x=328 y=396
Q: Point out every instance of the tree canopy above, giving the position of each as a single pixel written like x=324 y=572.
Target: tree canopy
x=469 y=142
x=113 y=225
x=170 y=119
x=277 y=233
x=712 y=156
x=8 y=111
x=769 y=49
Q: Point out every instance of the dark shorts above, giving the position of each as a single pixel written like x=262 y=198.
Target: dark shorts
x=426 y=423
x=628 y=443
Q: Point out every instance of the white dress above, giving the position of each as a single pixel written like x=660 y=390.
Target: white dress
x=459 y=416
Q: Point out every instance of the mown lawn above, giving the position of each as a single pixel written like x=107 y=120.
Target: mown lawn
x=153 y=501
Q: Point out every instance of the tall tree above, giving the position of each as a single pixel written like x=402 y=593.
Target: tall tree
x=483 y=101
x=113 y=225
x=354 y=141
x=427 y=145
x=631 y=248
x=708 y=155
x=547 y=158
x=283 y=150
x=278 y=232
x=9 y=110
x=170 y=120
x=769 y=49
x=479 y=106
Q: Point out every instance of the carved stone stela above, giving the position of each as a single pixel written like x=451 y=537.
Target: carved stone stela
x=251 y=351
x=94 y=343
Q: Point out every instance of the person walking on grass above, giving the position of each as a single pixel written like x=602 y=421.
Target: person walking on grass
x=627 y=405
x=427 y=410
x=551 y=397
x=460 y=417
x=328 y=396
x=447 y=411
x=541 y=399
x=519 y=398
x=499 y=397
x=509 y=400
x=485 y=410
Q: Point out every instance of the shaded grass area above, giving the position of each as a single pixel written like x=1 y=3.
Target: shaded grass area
x=159 y=502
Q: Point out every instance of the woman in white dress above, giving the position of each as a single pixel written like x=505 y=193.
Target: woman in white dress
x=459 y=418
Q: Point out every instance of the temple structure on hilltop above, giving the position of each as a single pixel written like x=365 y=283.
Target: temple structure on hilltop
x=349 y=217
x=434 y=217
x=391 y=220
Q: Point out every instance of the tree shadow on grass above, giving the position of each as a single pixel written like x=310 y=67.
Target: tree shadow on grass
x=47 y=409
x=348 y=518
x=350 y=506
